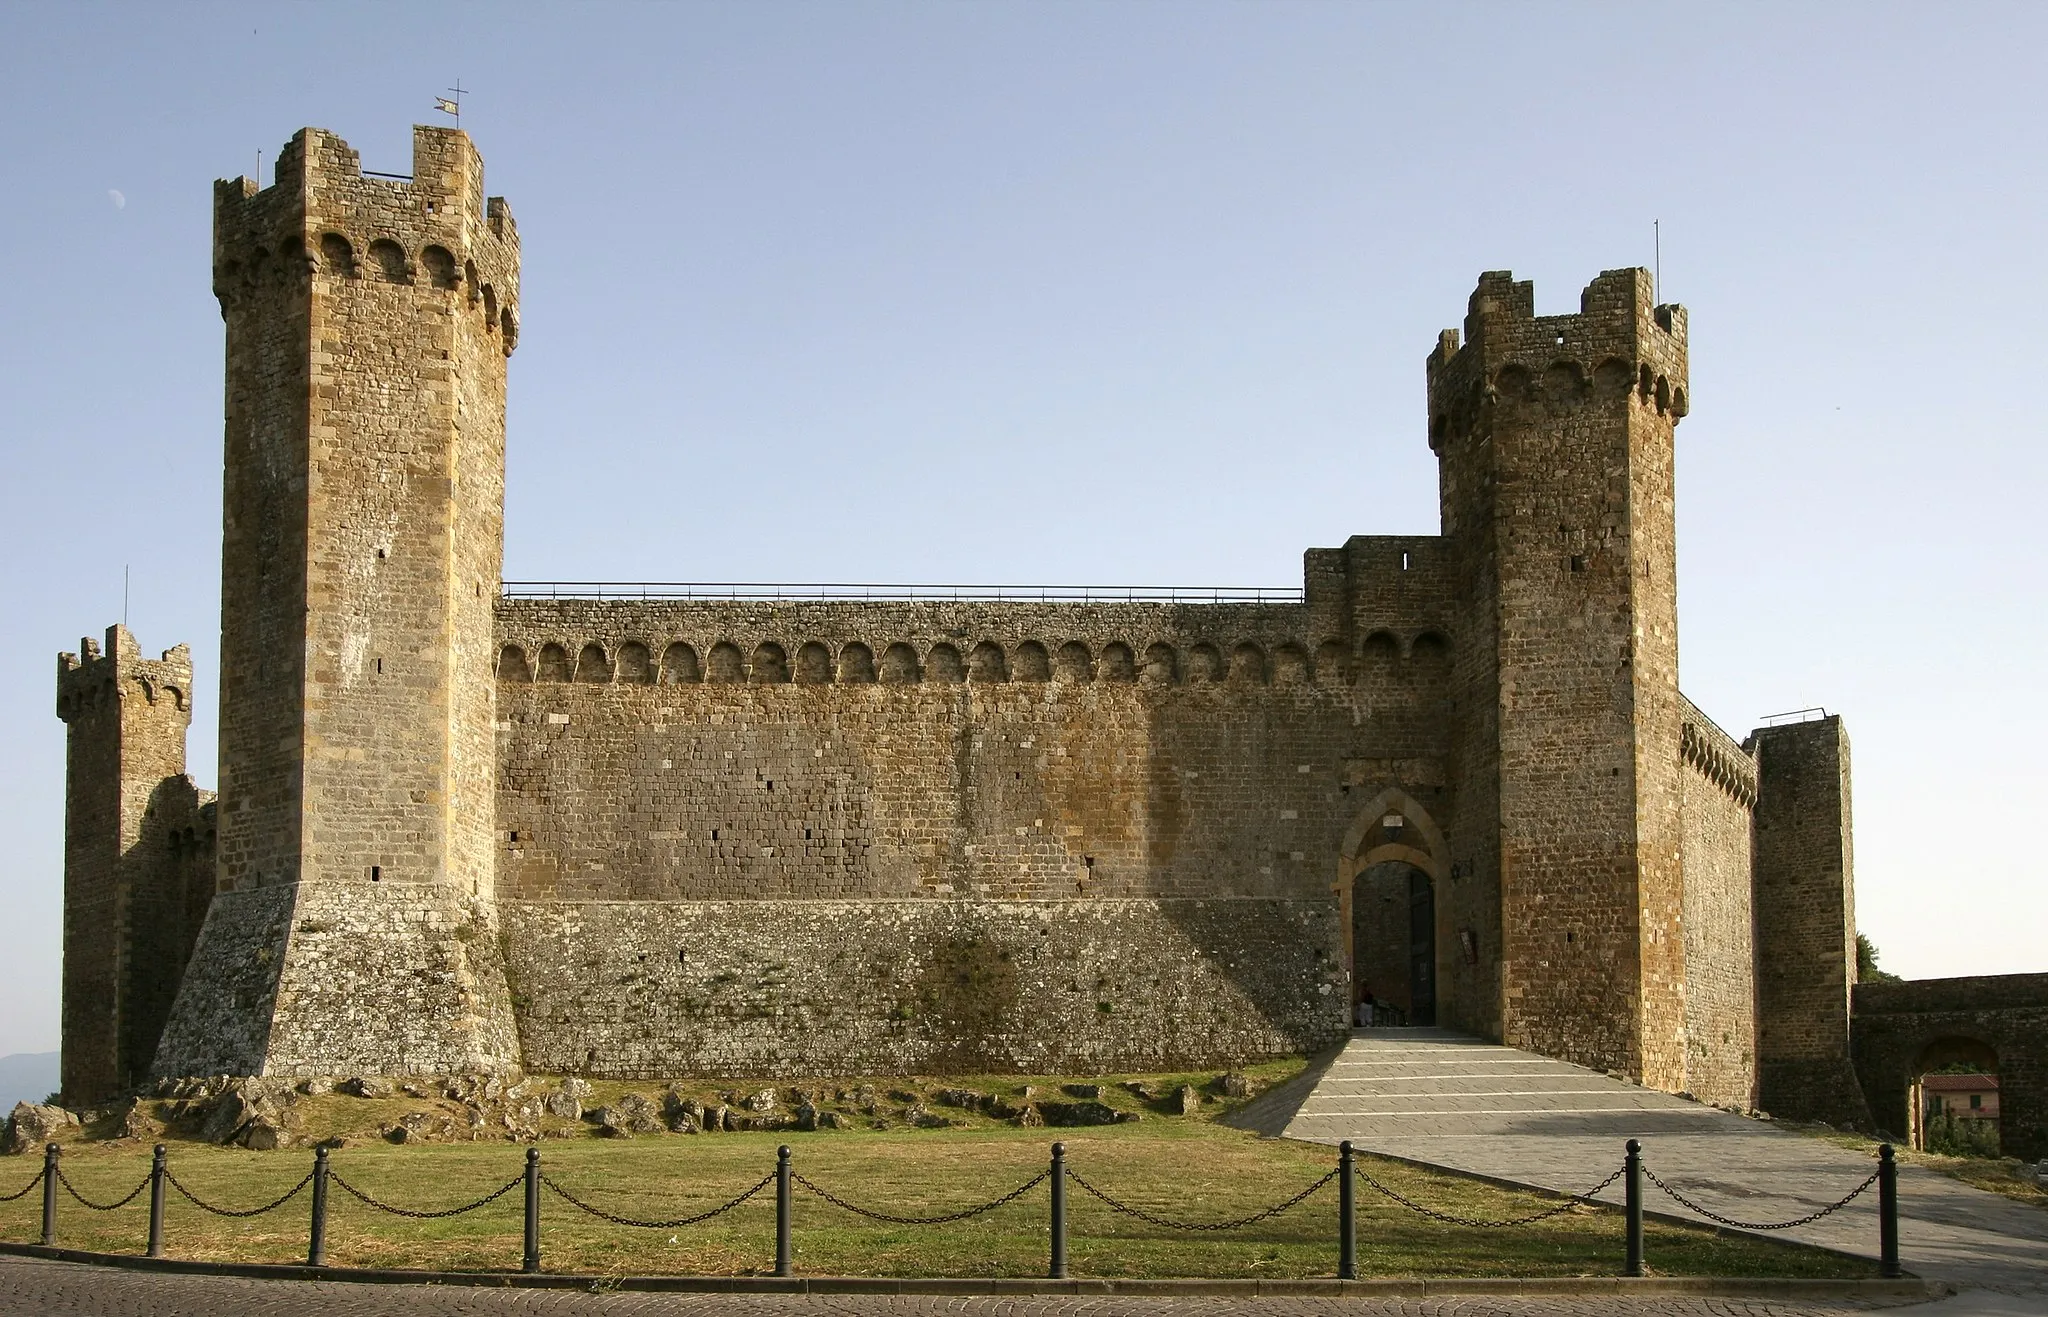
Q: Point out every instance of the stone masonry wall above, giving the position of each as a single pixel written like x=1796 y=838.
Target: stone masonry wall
x=1136 y=756
x=1805 y=897
x=1900 y=1029
x=919 y=986
x=1720 y=980
x=1215 y=765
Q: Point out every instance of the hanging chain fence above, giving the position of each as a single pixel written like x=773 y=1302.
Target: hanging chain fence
x=1169 y=1224
x=25 y=1191
x=367 y=1201
x=270 y=1206
x=72 y=1189
x=617 y=1220
x=961 y=1215
x=1718 y=1219
x=1571 y=1203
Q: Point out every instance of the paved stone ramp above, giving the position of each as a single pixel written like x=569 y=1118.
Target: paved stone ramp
x=1433 y=1096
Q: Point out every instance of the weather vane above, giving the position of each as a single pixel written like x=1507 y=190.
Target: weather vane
x=454 y=107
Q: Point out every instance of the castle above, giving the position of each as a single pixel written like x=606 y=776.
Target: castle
x=463 y=831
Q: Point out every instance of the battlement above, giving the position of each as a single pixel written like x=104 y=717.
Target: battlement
x=323 y=216
x=1619 y=344
x=87 y=679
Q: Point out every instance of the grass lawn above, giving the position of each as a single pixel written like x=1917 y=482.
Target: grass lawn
x=1188 y=1168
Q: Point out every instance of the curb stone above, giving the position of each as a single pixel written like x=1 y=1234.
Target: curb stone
x=1388 y=1288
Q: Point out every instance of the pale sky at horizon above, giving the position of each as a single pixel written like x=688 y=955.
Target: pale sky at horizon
x=1116 y=292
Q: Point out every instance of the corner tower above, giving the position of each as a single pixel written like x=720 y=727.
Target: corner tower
x=369 y=320
x=1554 y=438
x=134 y=889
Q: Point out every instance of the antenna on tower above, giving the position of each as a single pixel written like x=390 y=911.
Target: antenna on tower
x=1657 y=256
x=451 y=107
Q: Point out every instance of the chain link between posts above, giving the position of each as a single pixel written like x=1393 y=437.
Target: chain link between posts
x=26 y=1189
x=72 y=1189
x=1483 y=1224
x=618 y=1220
x=961 y=1215
x=1718 y=1219
x=270 y=1206
x=1169 y=1224
x=367 y=1201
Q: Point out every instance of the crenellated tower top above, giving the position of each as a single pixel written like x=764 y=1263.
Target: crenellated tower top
x=1619 y=340
x=322 y=213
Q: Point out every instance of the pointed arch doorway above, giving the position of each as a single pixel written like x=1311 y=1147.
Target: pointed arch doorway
x=1389 y=868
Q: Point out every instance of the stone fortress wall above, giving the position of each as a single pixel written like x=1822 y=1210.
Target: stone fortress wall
x=1121 y=814
x=466 y=832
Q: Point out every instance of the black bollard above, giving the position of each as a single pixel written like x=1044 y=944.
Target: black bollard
x=157 y=1171
x=1347 y=1216
x=49 y=1195
x=1632 y=1189
x=1887 y=1214
x=784 y=1265
x=531 y=1263
x=316 y=1241
x=1058 y=1268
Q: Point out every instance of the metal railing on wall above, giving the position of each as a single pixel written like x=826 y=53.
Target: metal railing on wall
x=785 y=1180
x=764 y=591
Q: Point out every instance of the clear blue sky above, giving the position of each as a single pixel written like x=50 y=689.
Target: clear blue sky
x=1131 y=292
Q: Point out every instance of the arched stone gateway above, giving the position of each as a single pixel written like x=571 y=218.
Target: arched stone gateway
x=1906 y=1033
x=1388 y=870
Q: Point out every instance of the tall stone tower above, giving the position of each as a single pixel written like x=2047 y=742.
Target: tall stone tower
x=133 y=892
x=1554 y=436
x=369 y=320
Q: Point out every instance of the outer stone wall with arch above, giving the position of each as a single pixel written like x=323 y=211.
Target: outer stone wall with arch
x=1892 y=1026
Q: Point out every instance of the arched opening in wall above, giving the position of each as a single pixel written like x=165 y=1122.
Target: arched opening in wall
x=1393 y=946
x=771 y=664
x=554 y=663
x=390 y=261
x=440 y=266
x=726 y=666
x=591 y=664
x=856 y=665
x=679 y=665
x=1118 y=663
x=1379 y=659
x=987 y=663
x=1953 y=1102
x=1389 y=868
x=1333 y=665
x=900 y=666
x=1248 y=664
x=340 y=258
x=1205 y=663
x=512 y=665
x=1073 y=662
x=1033 y=663
x=1290 y=665
x=943 y=664
x=1162 y=665
x=636 y=664
x=1429 y=659
x=813 y=665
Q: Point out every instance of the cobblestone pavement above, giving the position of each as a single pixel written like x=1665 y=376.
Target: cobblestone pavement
x=64 y=1289
x=1433 y=1096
